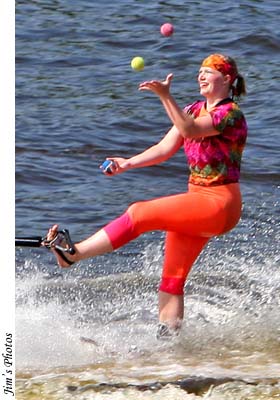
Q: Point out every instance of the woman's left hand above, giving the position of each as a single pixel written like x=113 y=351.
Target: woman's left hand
x=161 y=88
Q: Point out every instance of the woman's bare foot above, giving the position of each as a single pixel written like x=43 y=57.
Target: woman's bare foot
x=62 y=260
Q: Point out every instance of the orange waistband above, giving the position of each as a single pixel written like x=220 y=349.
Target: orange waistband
x=233 y=188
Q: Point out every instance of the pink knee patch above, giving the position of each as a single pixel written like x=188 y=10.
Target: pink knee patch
x=120 y=231
x=172 y=285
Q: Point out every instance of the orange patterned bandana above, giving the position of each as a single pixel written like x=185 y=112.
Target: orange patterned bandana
x=221 y=63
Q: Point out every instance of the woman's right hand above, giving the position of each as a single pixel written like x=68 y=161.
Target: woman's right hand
x=161 y=88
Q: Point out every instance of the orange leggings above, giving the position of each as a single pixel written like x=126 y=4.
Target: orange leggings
x=190 y=220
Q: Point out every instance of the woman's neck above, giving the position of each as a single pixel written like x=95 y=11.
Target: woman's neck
x=211 y=103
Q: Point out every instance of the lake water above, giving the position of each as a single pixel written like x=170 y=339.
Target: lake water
x=76 y=104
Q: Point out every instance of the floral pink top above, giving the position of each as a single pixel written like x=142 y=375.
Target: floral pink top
x=215 y=160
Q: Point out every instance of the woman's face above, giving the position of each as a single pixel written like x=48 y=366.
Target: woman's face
x=212 y=82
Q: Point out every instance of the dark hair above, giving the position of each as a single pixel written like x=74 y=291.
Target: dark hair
x=238 y=88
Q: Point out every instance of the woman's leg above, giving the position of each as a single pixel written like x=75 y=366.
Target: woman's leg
x=97 y=244
x=171 y=309
x=157 y=214
x=181 y=251
x=191 y=213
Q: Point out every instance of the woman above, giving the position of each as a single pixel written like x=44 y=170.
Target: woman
x=213 y=133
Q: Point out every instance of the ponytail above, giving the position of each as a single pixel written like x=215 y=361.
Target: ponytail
x=239 y=89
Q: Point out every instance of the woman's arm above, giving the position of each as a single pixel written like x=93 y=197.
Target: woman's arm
x=156 y=154
x=186 y=125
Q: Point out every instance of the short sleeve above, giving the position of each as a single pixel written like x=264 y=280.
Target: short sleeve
x=225 y=115
x=193 y=109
